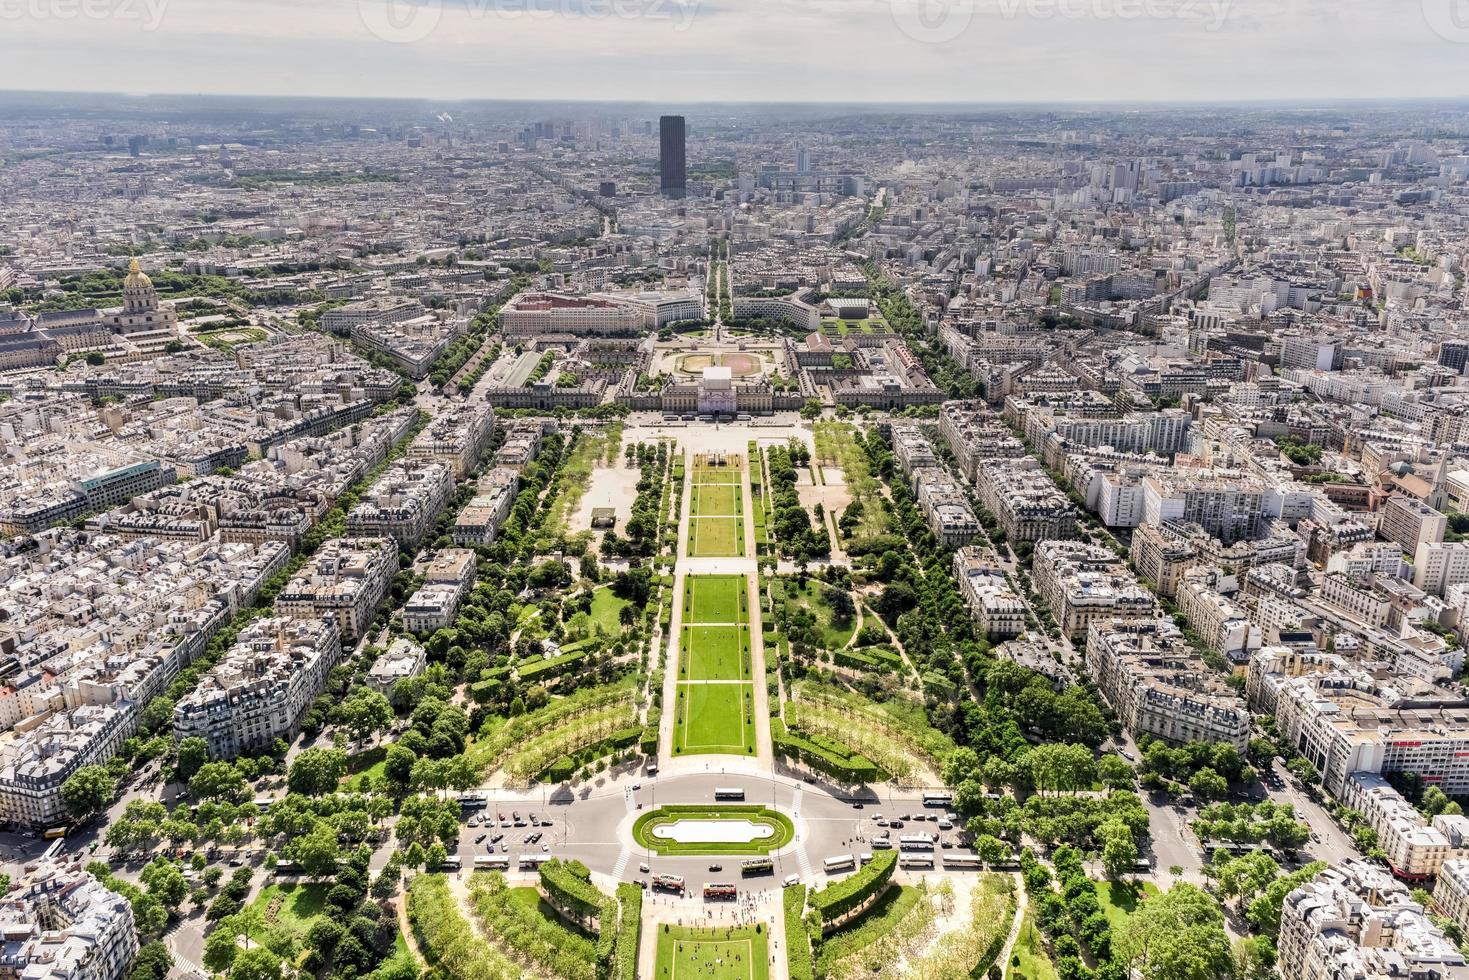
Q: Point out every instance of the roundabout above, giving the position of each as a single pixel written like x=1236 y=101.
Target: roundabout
x=691 y=830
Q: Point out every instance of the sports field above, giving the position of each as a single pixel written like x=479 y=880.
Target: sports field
x=716 y=537
x=715 y=712
x=716 y=521
x=735 y=953
x=716 y=499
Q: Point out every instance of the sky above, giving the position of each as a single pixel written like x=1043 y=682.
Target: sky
x=671 y=51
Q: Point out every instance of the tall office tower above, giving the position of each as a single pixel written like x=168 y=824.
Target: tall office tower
x=1454 y=354
x=803 y=160
x=673 y=181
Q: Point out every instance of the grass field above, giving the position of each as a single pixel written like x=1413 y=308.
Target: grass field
x=714 y=599
x=685 y=953
x=716 y=500
x=731 y=472
x=1030 y=950
x=1119 y=901
x=716 y=537
x=291 y=907
x=715 y=653
x=715 y=718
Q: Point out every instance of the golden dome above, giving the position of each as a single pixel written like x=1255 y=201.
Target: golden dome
x=136 y=278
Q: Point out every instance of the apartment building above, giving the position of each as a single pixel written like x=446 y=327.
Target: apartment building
x=521 y=446
x=944 y=507
x=1161 y=556
x=535 y=314
x=1026 y=502
x=402 y=660
x=1354 y=920
x=1084 y=582
x=1437 y=565
x=60 y=923
x=1227 y=507
x=912 y=450
x=480 y=520
x=974 y=434
x=403 y=503
x=1415 y=847
x=259 y=690
x=446 y=582
x=457 y=438
x=1159 y=686
x=346 y=579
x=1409 y=522
x=1221 y=623
x=995 y=606
x=1355 y=598
x=1451 y=894
x=42 y=753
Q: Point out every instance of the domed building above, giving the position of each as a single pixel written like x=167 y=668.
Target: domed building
x=141 y=312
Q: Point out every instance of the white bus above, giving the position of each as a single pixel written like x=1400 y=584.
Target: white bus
x=916 y=861
x=728 y=793
x=938 y=799
x=492 y=862
x=842 y=862
x=962 y=861
x=530 y=862
x=452 y=863
x=915 y=842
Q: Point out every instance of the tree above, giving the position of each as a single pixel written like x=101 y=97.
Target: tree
x=991 y=849
x=153 y=962
x=1207 y=784
x=88 y=791
x=256 y=963
x=317 y=852
x=811 y=410
x=1178 y=935
x=1119 y=850
x=365 y=712
x=193 y=752
x=166 y=883
x=218 y=781
x=316 y=772
x=220 y=949
x=1059 y=766
x=1114 y=772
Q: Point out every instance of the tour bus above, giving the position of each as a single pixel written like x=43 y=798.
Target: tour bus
x=916 y=861
x=865 y=857
x=284 y=868
x=718 y=891
x=727 y=793
x=882 y=843
x=492 y=862
x=473 y=801
x=915 y=842
x=671 y=883
x=938 y=799
x=842 y=862
x=452 y=863
x=962 y=861
x=759 y=866
x=530 y=862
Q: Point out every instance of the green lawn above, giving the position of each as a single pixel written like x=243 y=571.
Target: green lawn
x=713 y=718
x=714 y=599
x=298 y=905
x=715 y=653
x=717 y=500
x=814 y=597
x=1119 y=901
x=719 y=474
x=685 y=953
x=605 y=609
x=643 y=831
x=716 y=537
x=1030 y=950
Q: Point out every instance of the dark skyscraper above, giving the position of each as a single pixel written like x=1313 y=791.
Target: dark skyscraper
x=671 y=156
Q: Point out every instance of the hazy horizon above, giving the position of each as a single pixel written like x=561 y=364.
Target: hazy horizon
x=691 y=51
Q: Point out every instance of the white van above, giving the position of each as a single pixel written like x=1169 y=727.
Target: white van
x=791 y=881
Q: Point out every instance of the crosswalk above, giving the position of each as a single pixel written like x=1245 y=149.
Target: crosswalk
x=803 y=860
x=621 y=866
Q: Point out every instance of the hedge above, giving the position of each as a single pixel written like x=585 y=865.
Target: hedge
x=569 y=887
x=875 y=924
x=798 y=944
x=563 y=768
x=550 y=668
x=823 y=755
x=629 y=932
x=839 y=898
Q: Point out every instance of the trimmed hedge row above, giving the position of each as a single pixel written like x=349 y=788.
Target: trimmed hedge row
x=565 y=767
x=629 y=932
x=551 y=668
x=823 y=754
x=798 y=943
x=568 y=884
x=839 y=898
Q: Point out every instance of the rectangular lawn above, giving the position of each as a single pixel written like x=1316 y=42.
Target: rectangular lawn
x=718 y=474
x=714 y=599
x=715 y=653
x=716 y=537
x=717 y=500
x=712 y=718
x=712 y=954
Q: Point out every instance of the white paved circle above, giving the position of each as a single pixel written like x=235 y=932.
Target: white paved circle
x=713 y=831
